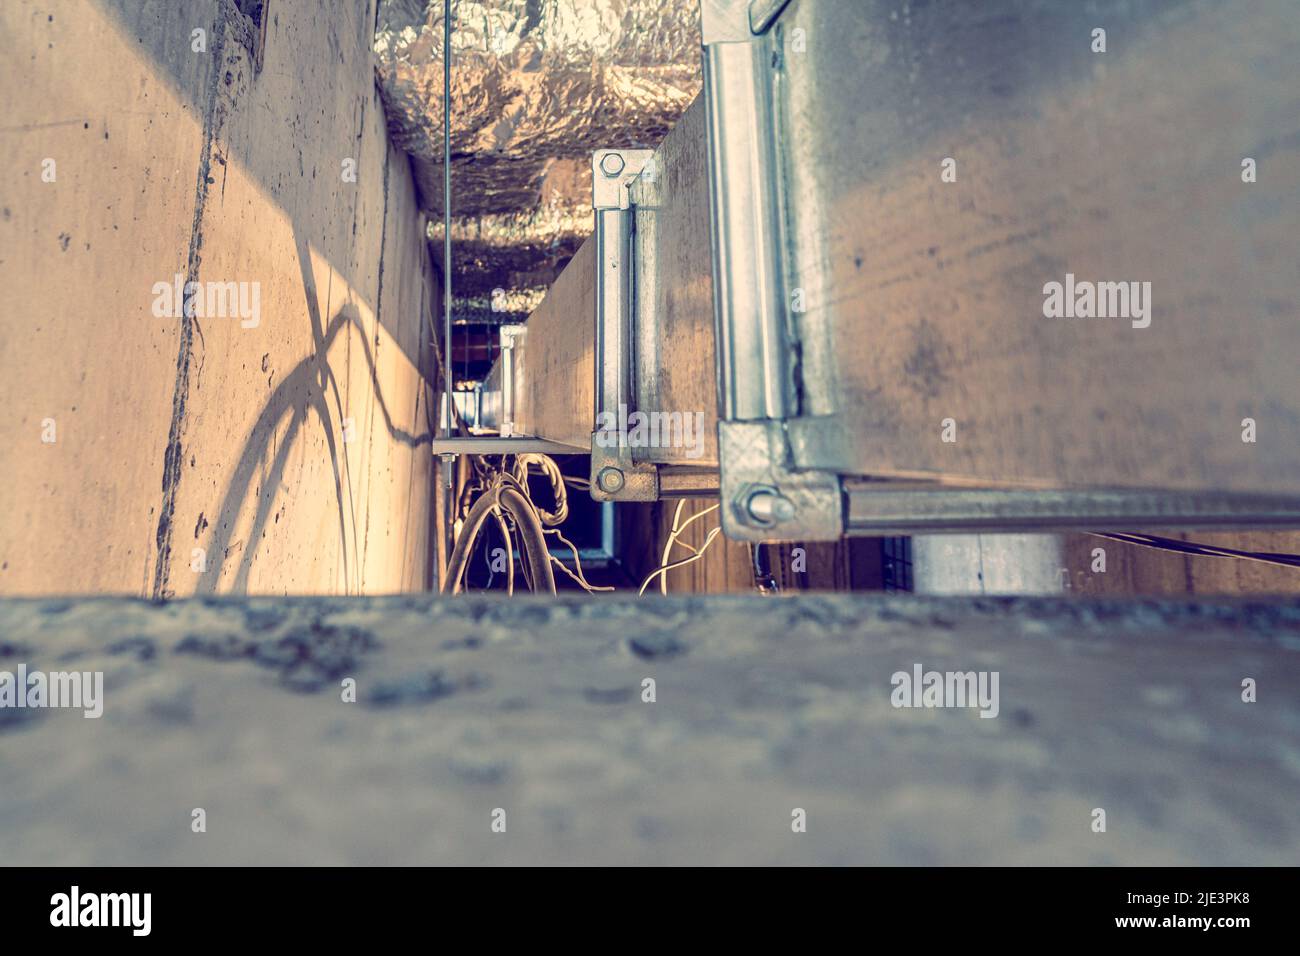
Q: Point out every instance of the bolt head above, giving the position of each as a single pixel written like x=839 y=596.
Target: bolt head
x=611 y=164
x=768 y=508
x=610 y=480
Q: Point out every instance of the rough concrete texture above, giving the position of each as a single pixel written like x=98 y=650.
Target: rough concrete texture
x=292 y=450
x=470 y=705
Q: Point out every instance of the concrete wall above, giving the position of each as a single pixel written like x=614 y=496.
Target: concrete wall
x=290 y=444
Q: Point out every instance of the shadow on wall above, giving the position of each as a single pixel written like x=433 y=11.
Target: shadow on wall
x=302 y=391
x=269 y=133
x=168 y=44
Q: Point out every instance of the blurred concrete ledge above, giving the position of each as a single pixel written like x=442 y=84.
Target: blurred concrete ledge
x=467 y=706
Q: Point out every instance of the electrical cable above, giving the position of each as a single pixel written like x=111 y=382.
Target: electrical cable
x=764 y=581
x=510 y=551
x=668 y=543
x=535 y=550
x=547 y=465
x=505 y=495
x=696 y=517
x=577 y=561
x=464 y=544
x=1197 y=549
x=523 y=563
x=673 y=539
x=684 y=561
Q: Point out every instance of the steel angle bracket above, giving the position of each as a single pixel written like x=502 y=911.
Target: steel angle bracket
x=763 y=497
x=615 y=473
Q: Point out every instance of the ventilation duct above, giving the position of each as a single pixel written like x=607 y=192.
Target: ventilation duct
x=537 y=85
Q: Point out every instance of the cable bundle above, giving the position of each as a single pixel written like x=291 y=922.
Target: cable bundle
x=503 y=494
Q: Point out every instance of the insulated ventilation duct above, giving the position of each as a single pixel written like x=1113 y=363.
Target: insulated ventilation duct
x=536 y=86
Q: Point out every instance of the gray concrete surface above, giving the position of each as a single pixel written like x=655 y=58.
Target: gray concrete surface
x=293 y=451
x=468 y=705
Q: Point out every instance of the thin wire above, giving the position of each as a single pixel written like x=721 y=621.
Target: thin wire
x=1202 y=550
x=673 y=539
x=696 y=517
x=580 y=577
x=684 y=561
x=668 y=543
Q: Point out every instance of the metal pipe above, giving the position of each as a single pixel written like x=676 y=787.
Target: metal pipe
x=446 y=219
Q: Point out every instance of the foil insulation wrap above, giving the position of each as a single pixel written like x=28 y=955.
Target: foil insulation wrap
x=536 y=86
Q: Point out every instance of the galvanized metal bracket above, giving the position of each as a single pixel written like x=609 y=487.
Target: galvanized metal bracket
x=764 y=498
x=612 y=173
x=615 y=477
x=614 y=474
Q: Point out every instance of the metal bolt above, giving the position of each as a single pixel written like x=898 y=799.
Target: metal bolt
x=611 y=164
x=610 y=480
x=769 y=507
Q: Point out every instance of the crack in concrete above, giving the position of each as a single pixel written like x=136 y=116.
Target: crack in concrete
x=173 y=460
